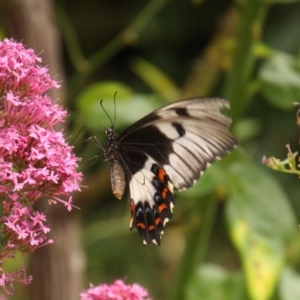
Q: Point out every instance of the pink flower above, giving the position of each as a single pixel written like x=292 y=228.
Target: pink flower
x=20 y=71
x=116 y=291
x=35 y=159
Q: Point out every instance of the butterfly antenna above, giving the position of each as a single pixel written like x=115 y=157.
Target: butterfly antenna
x=101 y=103
x=115 y=108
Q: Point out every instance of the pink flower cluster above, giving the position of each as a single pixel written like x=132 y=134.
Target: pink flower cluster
x=116 y=291
x=35 y=159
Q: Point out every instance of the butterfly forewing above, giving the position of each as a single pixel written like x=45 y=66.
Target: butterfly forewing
x=167 y=150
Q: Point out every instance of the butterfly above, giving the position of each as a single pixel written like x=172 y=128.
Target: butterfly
x=163 y=152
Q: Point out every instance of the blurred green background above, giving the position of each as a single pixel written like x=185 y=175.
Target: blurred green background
x=234 y=235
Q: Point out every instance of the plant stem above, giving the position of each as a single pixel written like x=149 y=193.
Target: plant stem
x=127 y=36
x=237 y=85
x=196 y=247
x=71 y=40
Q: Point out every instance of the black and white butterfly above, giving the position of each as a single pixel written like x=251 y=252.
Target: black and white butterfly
x=165 y=151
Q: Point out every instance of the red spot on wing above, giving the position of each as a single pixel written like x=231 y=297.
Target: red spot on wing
x=146 y=219
x=141 y=225
x=164 y=192
x=161 y=174
x=151 y=227
x=157 y=221
x=162 y=207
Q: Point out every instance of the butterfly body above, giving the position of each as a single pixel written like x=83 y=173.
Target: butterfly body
x=165 y=151
x=118 y=178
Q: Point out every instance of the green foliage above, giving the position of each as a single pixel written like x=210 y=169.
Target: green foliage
x=289 y=287
x=214 y=282
x=257 y=220
x=280 y=80
x=258 y=227
x=88 y=104
x=234 y=235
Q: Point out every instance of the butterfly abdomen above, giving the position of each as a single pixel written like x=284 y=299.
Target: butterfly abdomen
x=118 y=179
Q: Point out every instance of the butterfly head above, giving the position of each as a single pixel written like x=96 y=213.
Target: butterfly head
x=110 y=133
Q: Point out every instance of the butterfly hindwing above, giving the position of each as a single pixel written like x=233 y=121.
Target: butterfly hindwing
x=152 y=201
x=168 y=150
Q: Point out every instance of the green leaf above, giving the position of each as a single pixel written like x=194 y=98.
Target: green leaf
x=280 y=80
x=155 y=78
x=260 y=223
x=211 y=282
x=246 y=129
x=129 y=106
x=289 y=288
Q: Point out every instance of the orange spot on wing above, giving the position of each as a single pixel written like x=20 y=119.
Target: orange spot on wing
x=161 y=207
x=142 y=225
x=164 y=193
x=132 y=208
x=157 y=221
x=151 y=227
x=161 y=174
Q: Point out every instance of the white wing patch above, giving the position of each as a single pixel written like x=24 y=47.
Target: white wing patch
x=141 y=187
x=168 y=130
x=191 y=154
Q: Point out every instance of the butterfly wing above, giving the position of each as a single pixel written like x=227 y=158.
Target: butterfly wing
x=168 y=150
